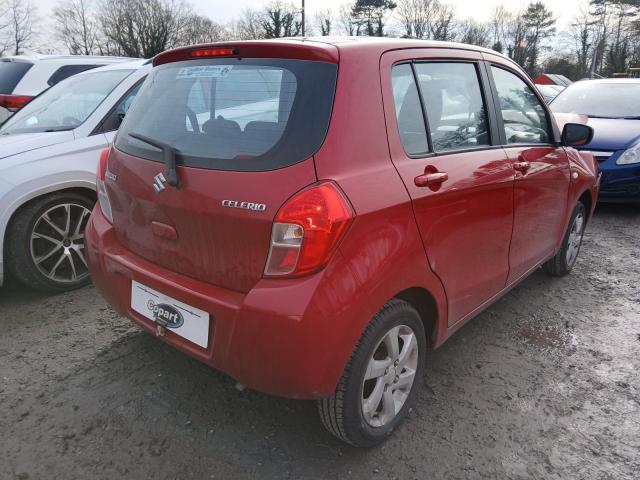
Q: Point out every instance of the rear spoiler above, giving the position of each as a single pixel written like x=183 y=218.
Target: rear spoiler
x=288 y=49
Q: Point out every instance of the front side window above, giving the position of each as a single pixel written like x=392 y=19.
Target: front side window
x=248 y=114
x=524 y=117
x=456 y=113
x=413 y=134
x=66 y=105
x=114 y=119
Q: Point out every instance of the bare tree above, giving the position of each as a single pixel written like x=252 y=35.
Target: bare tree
x=76 y=26
x=324 y=20
x=441 y=25
x=415 y=17
x=499 y=25
x=348 y=22
x=143 y=28
x=582 y=31
x=475 y=33
x=248 y=26
x=5 y=41
x=21 y=17
x=199 y=29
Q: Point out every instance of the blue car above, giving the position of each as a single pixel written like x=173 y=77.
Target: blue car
x=613 y=108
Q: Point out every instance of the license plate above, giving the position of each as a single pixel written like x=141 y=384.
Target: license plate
x=182 y=319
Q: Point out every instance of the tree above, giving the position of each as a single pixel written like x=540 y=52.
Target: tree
x=540 y=25
x=76 y=26
x=143 y=28
x=21 y=16
x=415 y=17
x=441 y=25
x=199 y=29
x=582 y=32
x=248 y=26
x=4 y=27
x=499 y=25
x=281 y=20
x=475 y=33
x=370 y=16
x=348 y=21
x=324 y=19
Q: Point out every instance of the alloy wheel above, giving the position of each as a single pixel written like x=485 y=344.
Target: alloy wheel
x=390 y=375
x=57 y=243
x=575 y=239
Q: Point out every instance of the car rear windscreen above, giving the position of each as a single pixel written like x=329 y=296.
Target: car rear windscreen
x=233 y=114
x=10 y=74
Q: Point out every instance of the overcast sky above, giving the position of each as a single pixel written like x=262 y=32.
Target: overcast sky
x=223 y=11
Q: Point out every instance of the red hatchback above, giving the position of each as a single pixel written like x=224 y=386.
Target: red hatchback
x=310 y=216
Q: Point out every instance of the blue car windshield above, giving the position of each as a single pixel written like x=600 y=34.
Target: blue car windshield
x=600 y=99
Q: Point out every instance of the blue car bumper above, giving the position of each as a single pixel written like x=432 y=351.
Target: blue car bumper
x=619 y=182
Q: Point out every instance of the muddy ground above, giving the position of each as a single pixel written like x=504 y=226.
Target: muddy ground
x=545 y=384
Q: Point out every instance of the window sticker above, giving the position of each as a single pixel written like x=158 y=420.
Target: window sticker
x=205 y=71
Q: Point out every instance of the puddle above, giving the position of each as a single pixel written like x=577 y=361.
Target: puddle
x=548 y=337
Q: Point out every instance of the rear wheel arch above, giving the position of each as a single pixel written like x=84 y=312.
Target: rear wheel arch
x=15 y=225
x=425 y=304
x=89 y=193
x=587 y=201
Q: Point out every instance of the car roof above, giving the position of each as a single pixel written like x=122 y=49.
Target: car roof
x=329 y=44
x=36 y=57
x=135 y=65
x=609 y=80
x=387 y=43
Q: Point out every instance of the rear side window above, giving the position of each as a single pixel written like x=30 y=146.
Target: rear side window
x=524 y=117
x=10 y=75
x=411 y=128
x=67 y=71
x=456 y=112
x=233 y=114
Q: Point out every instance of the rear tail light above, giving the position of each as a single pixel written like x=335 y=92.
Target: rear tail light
x=307 y=230
x=14 y=102
x=103 y=196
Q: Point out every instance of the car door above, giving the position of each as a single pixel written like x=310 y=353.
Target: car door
x=444 y=144
x=542 y=171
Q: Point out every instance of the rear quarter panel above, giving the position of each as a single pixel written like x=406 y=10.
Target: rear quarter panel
x=382 y=248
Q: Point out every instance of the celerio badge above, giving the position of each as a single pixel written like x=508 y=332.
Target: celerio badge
x=256 y=207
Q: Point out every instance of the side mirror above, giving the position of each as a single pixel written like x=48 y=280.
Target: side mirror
x=576 y=134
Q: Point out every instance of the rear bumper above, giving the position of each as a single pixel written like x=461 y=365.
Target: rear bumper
x=280 y=338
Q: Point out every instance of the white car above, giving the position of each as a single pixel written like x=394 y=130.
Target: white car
x=49 y=151
x=23 y=77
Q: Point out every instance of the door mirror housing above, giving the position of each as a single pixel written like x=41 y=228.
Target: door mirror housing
x=576 y=135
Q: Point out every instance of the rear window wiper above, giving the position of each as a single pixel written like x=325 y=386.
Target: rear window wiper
x=168 y=153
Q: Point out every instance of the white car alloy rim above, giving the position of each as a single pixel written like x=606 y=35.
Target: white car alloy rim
x=390 y=374
x=575 y=239
x=57 y=243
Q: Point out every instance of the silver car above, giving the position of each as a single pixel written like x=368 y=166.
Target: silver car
x=49 y=151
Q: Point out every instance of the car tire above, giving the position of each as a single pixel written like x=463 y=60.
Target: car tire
x=45 y=252
x=363 y=422
x=563 y=261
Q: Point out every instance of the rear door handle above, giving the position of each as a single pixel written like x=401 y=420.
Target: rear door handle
x=522 y=166
x=429 y=179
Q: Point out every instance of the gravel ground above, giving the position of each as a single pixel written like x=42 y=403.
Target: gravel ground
x=544 y=384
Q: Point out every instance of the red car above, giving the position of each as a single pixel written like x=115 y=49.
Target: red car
x=310 y=216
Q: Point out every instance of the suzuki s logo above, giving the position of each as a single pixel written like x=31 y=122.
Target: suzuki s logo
x=166 y=315
x=158 y=182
